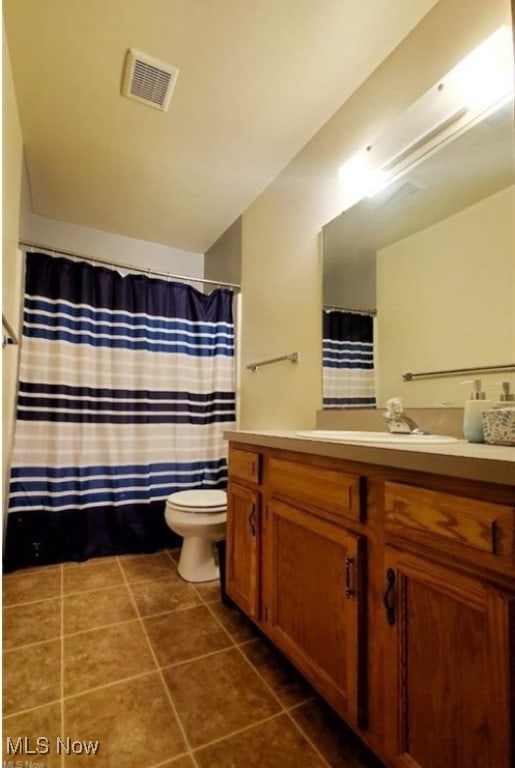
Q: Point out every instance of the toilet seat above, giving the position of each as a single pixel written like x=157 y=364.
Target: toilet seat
x=198 y=502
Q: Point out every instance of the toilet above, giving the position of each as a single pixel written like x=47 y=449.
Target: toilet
x=199 y=516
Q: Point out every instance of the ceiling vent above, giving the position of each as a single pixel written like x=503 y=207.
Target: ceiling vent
x=148 y=80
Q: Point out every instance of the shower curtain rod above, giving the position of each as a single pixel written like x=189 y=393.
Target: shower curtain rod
x=352 y=311
x=132 y=267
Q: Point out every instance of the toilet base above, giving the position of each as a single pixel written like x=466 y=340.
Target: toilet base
x=197 y=560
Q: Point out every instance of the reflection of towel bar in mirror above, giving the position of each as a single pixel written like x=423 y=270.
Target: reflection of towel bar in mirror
x=8 y=336
x=458 y=371
x=293 y=357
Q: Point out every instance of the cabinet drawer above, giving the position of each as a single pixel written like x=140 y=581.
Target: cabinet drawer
x=431 y=515
x=245 y=465
x=337 y=494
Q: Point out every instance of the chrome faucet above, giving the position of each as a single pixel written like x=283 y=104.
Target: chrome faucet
x=398 y=421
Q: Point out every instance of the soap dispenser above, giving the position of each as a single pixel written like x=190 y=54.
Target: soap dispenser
x=473 y=413
x=506 y=396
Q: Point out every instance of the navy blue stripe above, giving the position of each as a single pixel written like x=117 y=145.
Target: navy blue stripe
x=117 y=484
x=351 y=346
x=350 y=365
x=82 y=283
x=65 y=389
x=43 y=403
x=159 y=332
x=35 y=305
x=75 y=500
x=335 y=401
x=98 y=418
x=114 y=343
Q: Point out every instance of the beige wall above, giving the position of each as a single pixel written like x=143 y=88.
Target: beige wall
x=116 y=249
x=223 y=260
x=416 y=324
x=281 y=265
x=11 y=258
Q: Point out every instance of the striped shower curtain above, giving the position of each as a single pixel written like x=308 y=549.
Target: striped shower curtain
x=126 y=384
x=348 y=360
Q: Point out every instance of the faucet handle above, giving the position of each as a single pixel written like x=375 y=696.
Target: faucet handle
x=394 y=406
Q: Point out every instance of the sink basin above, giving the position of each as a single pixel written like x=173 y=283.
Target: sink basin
x=358 y=436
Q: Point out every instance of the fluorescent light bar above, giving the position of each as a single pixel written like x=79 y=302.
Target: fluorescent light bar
x=474 y=88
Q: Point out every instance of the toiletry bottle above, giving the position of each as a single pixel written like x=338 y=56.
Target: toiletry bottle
x=507 y=398
x=473 y=413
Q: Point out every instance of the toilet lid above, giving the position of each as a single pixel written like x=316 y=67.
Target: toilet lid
x=214 y=500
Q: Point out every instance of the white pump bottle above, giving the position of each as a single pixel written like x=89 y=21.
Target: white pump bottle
x=473 y=413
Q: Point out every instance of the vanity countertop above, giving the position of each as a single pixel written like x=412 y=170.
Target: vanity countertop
x=489 y=463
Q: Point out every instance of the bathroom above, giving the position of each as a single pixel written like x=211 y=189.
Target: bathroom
x=277 y=236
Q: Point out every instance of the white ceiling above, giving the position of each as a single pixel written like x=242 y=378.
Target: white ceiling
x=257 y=79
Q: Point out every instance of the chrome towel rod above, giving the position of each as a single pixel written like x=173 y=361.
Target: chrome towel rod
x=458 y=371
x=293 y=357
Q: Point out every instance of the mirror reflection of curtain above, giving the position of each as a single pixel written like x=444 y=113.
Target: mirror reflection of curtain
x=348 y=360
x=126 y=385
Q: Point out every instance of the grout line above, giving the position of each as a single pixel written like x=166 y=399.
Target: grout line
x=182 y=662
x=161 y=675
x=31 y=709
x=170 y=760
x=52 y=639
x=284 y=710
x=109 y=685
x=308 y=738
x=240 y=730
x=30 y=602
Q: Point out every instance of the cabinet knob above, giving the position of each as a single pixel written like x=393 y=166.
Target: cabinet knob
x=389 y=597
x=252 y=520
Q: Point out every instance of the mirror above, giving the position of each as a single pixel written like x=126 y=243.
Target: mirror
x=434 y=253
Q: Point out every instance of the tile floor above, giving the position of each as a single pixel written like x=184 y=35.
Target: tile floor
x=160 y=672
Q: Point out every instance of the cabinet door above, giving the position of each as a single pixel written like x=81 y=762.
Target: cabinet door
x=312 y=602
x=448 y=640
x=243 y=535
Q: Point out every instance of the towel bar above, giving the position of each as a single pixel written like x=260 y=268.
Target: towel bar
x=293 y=357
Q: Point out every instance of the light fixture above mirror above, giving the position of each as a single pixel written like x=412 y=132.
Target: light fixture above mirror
x=477 y=86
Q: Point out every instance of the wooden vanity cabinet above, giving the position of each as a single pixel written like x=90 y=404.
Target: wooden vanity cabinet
x=449 y=666
x=392 y=591
x=243 y=535
x=312 y=602
x=451 y=629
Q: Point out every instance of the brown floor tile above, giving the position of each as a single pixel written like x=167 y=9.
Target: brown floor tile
x=105 y=655
x=184 y=635
x=35 y=584
x=175 y=553
x=217 y=695
x=31 y=623
x=181 y=762
x=132 y=720
x=103 y=572
x=32 y=676
x=287 y=684
x=208 y=590
x=144 y=567
x=88 y=610
x=274 y=744
x=234 y=621
x=44 y=721
x=163 y=595
x=332 y=737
